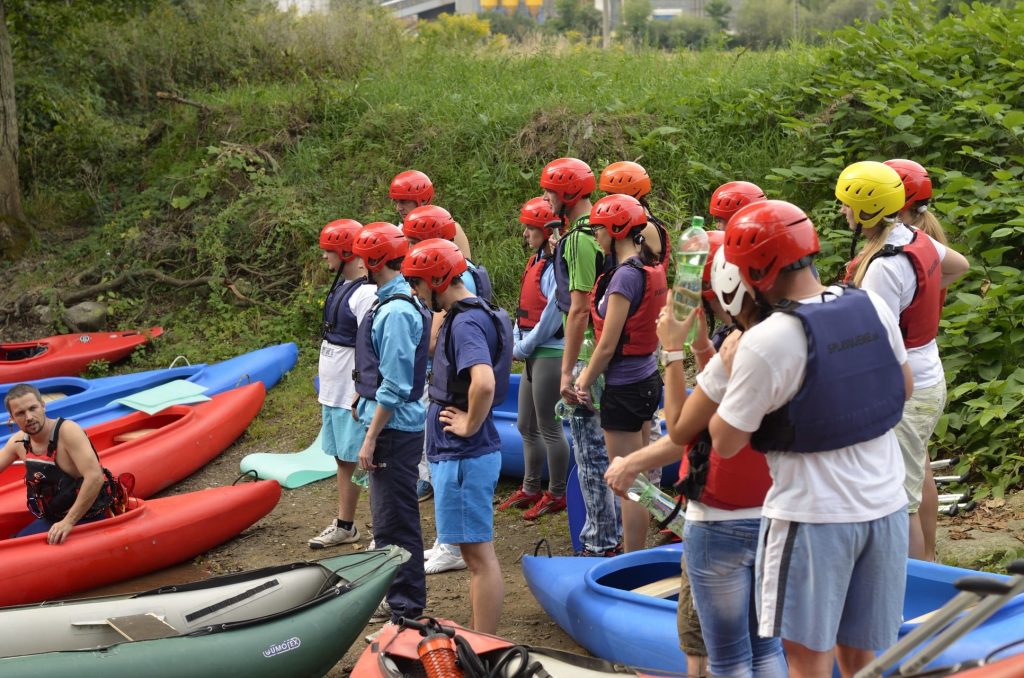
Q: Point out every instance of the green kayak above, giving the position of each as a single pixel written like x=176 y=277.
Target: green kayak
x=288 y=620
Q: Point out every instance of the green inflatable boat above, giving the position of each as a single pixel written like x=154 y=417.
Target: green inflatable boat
x=288 y=620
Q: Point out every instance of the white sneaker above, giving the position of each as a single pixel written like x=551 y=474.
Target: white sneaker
x=372 y=545
x=444 y=560
x=429 y=553
x=370 y=637
x=382 y=613
x=334 y=536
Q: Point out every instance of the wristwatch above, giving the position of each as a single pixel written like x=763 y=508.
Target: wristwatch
x=668 y=357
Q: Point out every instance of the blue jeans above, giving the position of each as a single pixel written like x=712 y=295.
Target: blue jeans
x=720 y=559
x=395 y=510
x=603 y=527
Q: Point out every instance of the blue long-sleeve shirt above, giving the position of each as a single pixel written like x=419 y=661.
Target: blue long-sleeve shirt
x=397 y=329
x=543 y=334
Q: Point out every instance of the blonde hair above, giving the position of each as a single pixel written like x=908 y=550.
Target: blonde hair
x=924 y=220
x=875 y=241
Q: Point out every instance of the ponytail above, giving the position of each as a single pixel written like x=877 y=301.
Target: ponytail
x=921 y=218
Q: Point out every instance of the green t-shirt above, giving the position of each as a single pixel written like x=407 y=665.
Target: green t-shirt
x=583 y=257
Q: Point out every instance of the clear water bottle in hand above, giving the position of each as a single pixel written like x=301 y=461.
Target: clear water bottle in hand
x=586 y=353
x=657 y=503
x=361 y=478
x=693 y=253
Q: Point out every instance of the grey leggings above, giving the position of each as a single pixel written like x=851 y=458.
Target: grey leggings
x=542 y=435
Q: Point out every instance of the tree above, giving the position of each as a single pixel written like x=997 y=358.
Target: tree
x=636 y=15
x=14 y=233
x=719 y=11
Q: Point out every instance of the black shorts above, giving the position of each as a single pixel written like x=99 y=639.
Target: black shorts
x=629 y=407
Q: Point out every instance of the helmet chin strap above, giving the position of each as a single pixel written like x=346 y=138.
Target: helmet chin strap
x=434 y=306
x=853 y=242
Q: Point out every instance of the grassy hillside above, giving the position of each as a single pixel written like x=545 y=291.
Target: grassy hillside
x=277 y=124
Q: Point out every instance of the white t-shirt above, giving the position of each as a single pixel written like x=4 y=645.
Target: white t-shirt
x=337 y=362
x=713 y=381
x=852 y=484
x=893 y=279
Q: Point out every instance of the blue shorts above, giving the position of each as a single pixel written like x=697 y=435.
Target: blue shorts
x=342 y=436
x=464 y=498
x=822 y=584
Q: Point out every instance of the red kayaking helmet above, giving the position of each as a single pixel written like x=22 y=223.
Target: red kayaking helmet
x=378 y=243
x=765 y=238
x=339 y=235
x=412 y=185
x=620 y=214
x=536 y=213
x=715 y=240
x=429 y=221
x=571 y=179
x=436 y=262
x=729 y=198
x=916 y=182
x=625 y=177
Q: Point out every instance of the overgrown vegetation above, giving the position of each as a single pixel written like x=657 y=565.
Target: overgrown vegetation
x=276 y=124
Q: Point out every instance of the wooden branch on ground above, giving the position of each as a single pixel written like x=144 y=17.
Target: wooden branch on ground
x=25 y=302
x=174 y=98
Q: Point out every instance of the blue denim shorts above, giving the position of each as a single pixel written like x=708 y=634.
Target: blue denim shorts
x=464 y=498
x=820 y=584
x=342 y=435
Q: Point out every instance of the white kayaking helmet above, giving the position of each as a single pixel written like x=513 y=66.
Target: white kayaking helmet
x=727 y=283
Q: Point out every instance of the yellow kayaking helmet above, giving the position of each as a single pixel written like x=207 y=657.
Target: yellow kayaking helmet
x=872 y=190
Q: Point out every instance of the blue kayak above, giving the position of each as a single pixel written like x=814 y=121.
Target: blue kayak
x=597 y=602
x=91 y=401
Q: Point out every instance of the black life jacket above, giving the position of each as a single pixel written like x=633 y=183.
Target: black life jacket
x=52 y=491
x=447 y=385
x=340 y=323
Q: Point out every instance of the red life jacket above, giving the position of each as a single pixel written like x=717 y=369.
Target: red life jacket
x=919 y=322
x=639 y=334
x=532 y=301
x=740 y=482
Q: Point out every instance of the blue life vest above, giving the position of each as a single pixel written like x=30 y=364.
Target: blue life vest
x=340 y=323
x=366 y=375
x=447 y=386
x=853 y=389
x=482 y=279
x=563 y=296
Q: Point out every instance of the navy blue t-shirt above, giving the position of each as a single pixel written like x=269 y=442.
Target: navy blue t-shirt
x=473 y=341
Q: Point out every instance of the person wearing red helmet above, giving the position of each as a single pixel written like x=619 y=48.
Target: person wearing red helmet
x=910 y=270
x=567 y=184
x=625 y=304
x=431 y=221
x=424 y=223
x=411 y=189
x=730 y=197
x=538 y=342
x=392 y=344
x=630 y=178
x=348 y=300
x=724 y=497
x=818 y=386
x=470 y=372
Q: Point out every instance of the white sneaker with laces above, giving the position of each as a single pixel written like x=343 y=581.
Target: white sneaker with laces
x=443 y=560
x=334 y=536
x=429 y=553
x=382 y=613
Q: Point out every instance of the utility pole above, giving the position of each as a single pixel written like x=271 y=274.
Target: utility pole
x=796 y=19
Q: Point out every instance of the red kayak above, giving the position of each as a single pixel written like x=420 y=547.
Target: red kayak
x=152 y=535
x=159 y=449
x=67 y=355
x=428 y=647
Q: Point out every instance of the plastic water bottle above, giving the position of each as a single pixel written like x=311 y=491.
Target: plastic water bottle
x=693 y=253
x=361 y=478
x=586 y=353
x=657 y=503
x=563 y=409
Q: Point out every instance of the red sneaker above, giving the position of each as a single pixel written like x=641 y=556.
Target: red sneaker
x=520 y=499
x=549 y=503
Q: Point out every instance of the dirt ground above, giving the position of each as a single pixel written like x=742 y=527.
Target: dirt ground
x=301 y=514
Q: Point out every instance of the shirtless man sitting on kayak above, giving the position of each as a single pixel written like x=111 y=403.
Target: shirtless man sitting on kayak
x=66 y=484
